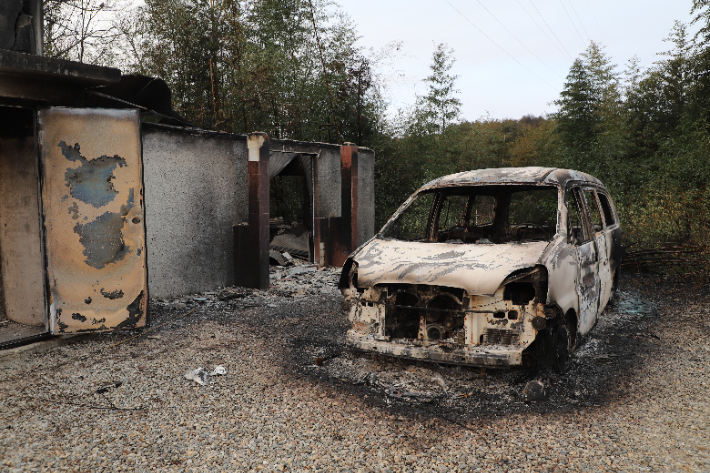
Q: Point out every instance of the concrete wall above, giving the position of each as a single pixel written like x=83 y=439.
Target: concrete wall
x=196 y=190
x=196 y=186
x=20 y=246
x=366 y=195
x=328 y=183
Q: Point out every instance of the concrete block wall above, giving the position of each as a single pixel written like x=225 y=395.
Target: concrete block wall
x=195 y=191
x=21 y=266
x=366 y=195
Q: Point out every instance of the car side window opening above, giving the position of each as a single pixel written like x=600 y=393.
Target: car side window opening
x=532 y=214
x=577 y=231
x=609 y=219
x=413 y=223
x=593 y=210
x=483 y=210
x=453 y=213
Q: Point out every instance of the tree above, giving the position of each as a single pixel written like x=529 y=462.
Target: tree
x=81 y=30
x=661 y=101
x=577 y=117
x=440 y=106
x=288 y=68
x=591 y=114
x=701 y=10
x=671 y=79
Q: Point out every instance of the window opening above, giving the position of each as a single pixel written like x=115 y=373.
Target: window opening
x=593 y=211
x=413 y=223
x=453 y=217
x=606 y=209
x=532 y=214
x=576 y=228
x=483 y=210
x=479 y=214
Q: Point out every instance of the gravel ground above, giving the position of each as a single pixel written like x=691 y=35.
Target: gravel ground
x=294 y=399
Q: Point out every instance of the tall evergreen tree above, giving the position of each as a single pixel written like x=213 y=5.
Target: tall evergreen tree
x=440 y=106
x=577 y=117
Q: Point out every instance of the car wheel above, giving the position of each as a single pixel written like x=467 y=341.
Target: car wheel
x=562 y=349
x=554 y=347
x=614 y=288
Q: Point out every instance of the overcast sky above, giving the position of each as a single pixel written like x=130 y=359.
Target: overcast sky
x=512 y=56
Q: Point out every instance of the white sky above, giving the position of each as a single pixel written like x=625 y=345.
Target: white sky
x=491 y=83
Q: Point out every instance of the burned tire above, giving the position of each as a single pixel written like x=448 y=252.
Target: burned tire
x=613 y=297
x=563 y=348
x=554 y=348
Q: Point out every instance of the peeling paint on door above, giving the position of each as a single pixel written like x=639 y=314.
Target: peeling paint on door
x=91 y=182
x=103 y=239
x=93 y=213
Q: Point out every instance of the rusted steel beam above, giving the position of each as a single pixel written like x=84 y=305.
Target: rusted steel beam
x=349 y=161
x=341 y=232
x=319 y=224
x=252 y=242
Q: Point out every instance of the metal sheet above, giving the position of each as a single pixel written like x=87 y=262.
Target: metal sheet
x=92 y=191
x=479 y=269
x=588 y=285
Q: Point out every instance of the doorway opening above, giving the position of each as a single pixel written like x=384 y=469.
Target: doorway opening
x=290 y=207
x=23 y=314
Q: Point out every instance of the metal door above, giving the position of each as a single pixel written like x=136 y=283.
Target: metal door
x=92 y=194
x=588 y=284
x=603 y=241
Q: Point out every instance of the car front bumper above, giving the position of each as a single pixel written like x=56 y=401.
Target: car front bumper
x=494 y=356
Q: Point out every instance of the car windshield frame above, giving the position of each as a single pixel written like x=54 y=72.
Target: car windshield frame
x=483 y=212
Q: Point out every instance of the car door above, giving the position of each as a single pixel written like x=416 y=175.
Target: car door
x=587 y=283
x=612 y=229
x=602 y=238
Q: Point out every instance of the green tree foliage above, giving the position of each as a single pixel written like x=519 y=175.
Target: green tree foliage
x=590 y=114
x=288 y=68
x=440 y=106
x=701 y=12
x=414 y=147
x=647 y=138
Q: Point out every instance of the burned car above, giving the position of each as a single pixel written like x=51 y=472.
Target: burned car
x=490 y=268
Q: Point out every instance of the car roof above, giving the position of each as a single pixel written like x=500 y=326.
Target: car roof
x=523 y=175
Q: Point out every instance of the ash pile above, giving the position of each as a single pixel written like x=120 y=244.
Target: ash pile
x=298 y=279
x=290 y=244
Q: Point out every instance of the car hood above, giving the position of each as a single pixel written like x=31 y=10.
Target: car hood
x=477 y=268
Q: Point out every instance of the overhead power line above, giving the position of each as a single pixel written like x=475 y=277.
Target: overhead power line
x=516 y=38
x=499 y=46
x=571 y=21
x=574 y=10
x=595 y=18
x=548 y=27
x=542 y=30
